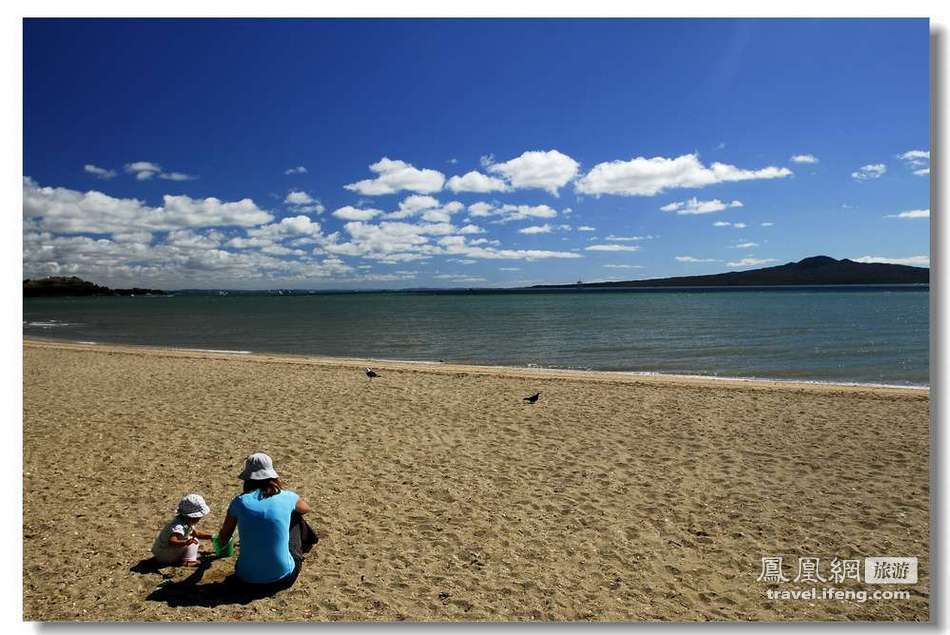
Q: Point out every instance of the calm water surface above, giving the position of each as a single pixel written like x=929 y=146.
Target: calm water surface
x=868 y=336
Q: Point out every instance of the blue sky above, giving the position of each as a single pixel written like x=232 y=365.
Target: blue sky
x=321 y=153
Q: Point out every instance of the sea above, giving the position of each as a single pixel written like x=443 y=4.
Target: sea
x=849 y=334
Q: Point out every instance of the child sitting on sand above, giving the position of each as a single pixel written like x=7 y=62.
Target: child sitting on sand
x=177 y=542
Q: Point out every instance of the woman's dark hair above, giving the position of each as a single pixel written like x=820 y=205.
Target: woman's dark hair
x=267 y=486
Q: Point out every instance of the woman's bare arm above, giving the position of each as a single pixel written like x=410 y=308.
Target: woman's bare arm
x=302 y=507
x=227 y=529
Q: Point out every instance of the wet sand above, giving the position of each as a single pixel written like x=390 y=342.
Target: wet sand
x=440 y=495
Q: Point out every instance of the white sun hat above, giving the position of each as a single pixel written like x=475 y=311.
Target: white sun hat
x=257 y=467
x=193 y=506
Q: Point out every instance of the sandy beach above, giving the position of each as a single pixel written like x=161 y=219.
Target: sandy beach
x=440 y=495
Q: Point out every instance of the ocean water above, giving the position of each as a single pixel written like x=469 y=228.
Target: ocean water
x=863 y=335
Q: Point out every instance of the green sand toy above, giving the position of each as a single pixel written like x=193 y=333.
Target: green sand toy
x=222 y=551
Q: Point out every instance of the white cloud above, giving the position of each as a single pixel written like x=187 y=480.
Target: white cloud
x=748 y=245
x=98 y=172
x=509 y=268
x=751 y=262
x=508 y=213
x=486 y=160
x=63 y=210
x=612 y=248
x=725 y=223
x=302 y=202
x=917 y=160
x=457 y=245
x=911 y=213
x=629 y=238
x=536 y=229
x=471 y=229
x=695 y=206
x=297 y=170
x=177 y=176
x=586 y=228
x=648 y=177
x=913 y=261
x=458 y=277
x=870 y=171
x=922 y=156
x=694 y=259
x=143 y=170
x=623 y=266
x=348 y=212
x=548 y=171
x=298 y=198
x=289 y=227
x=767 y=224
x=413 y=205
x=804 y=158
x=475 y=181
x=739 y=225
x=395 y=176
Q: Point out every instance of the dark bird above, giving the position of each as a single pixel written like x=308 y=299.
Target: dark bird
x=533 y=398
x=371 y=373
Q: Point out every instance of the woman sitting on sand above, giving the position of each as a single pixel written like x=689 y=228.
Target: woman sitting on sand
x=274 y=535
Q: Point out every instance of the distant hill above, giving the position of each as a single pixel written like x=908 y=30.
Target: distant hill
x=810 y=271
x=60 y=286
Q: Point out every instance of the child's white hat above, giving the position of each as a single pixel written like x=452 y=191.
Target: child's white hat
x=193 y=506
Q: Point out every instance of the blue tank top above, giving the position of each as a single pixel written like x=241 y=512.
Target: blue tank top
x=264 y=528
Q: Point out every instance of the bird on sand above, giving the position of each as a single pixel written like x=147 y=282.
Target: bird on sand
x=371 y=373
x=533 y=398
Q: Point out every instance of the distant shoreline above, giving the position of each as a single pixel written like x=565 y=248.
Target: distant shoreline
x=600 y=288
x=616 y=376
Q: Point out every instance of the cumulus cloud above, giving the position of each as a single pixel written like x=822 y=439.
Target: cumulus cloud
x=348 y=212
x=613 y=247
x=143 y=170
x=548 y=171
x=395 y=176
x=911 y=213
x=917 y=160
x=913 y=261
x=694 y=259
x=725 y=223
x=507 y=213
x=752 y=262
x=870 y=171
x=586 y=228
x=297 y=170
x=695 y=206
x=804 y=158
x=629 y=238
x=176 y=176
x=536 y=229
x=63 y=210
x=302 y=202
x=392 y=241
x=428 y=207
x=475 y=181
x=648 y=177
x=99 y=173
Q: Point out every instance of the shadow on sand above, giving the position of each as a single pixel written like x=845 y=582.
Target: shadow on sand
x=190 y=591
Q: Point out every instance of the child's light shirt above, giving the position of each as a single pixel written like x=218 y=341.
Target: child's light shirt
x=163 y=550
